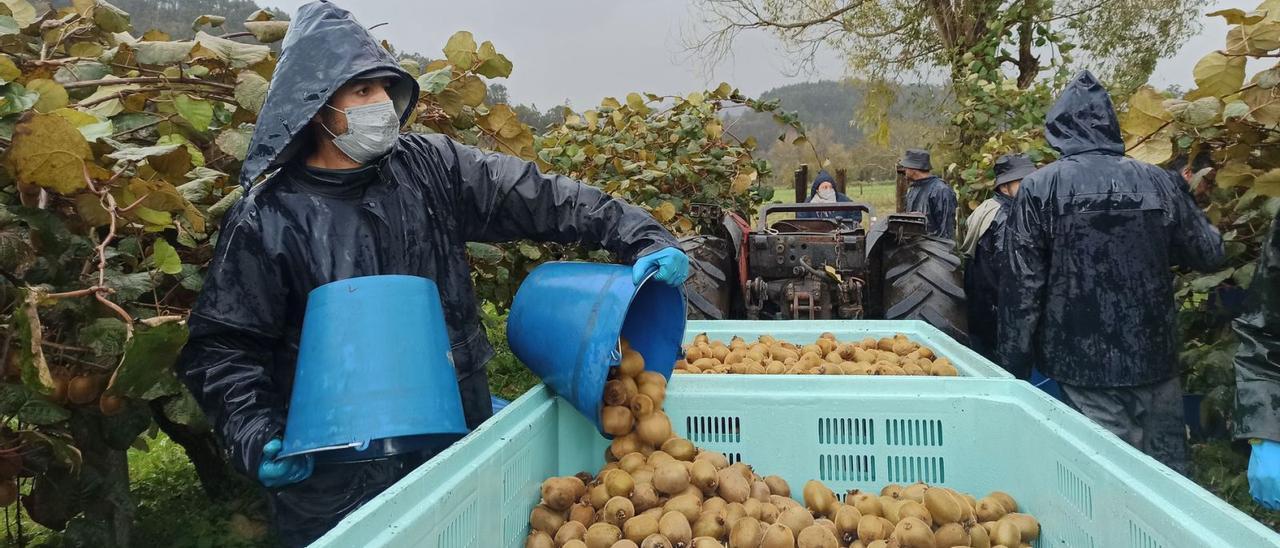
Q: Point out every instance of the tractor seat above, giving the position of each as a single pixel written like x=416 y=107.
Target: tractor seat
x=793 y=226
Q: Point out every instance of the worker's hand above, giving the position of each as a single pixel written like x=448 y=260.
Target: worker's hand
x=279 y=472
x=671 y=263
x=1264 y=474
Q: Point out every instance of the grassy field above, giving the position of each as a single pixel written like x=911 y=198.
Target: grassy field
x=878 y=194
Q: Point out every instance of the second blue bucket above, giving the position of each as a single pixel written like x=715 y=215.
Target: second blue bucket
x=566 y=318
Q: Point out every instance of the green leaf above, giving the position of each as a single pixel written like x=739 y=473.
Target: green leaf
x=23 y=13
x=8 y=26
x=12 y=398
x=16 y=98
x=8 y=70
x=485 y=253
x=197 y=111
x=162 y=53
x=492 y=63
x=251 y=90
x=1235 y=109
x=1210 y=281
x=138 y=154
x=49 y=152
x=239 y=55
x=235 y=141
x=184 y=410
x=530 y=251
x=42 y=412
x=129 y=286
x=148 y=357
x=110 y=18
x=435 y=81
x=461 y=50
x=106 y=337
x=267 y=31
x=165 y=258
x=1218 y=74
x=191 y=278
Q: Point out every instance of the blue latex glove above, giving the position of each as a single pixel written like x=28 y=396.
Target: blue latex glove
x=279 y=472
x=671 y=263
x=1264 y=474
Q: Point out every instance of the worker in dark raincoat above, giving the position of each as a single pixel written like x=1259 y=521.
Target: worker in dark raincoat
x=983 y=246
x=1087 y=296
x=823 y=191
x=1258 y=374
x=929 y=194
x=347 y=195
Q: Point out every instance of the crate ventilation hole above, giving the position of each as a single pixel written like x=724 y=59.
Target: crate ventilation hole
x=841 y=431
x=707 y=429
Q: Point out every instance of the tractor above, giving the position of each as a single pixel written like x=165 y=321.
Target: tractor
x=822 y=268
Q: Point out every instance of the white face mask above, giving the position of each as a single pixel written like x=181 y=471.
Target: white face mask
x=827 y=194
x=371 y=131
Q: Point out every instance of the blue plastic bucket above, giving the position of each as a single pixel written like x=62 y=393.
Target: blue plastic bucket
x=375 y=375
x=1048 y=385
x=565 y=322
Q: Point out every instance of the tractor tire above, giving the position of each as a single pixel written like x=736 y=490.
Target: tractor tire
x=712 y=275
x=923 y=280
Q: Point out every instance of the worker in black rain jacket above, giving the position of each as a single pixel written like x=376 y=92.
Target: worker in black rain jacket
x=983 y=246
x=823 y=191
x=929 y=194
x=1088 y=292
x=345 y=195
x=1258 y=374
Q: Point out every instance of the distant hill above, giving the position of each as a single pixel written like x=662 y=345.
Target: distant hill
x=175 y=16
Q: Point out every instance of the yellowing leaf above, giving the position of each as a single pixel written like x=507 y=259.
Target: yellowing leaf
x=52 y=95
x=665 y=212
x=153 y=217
x=1236 y=16
x=110 y=18
x=1156 y=150
x=1219 y=75
x=235 y=141
x=49 y=152
x=239 y=55
x=158 y=194
x=1268 y=184
x=8 y=71
x=492 y=63
x=1146 y=113
x=1235 y=174
x=471 y=89
x=162 y=52
x=742 y=181
x=714 y=129
x=461 y=50
x=85 y=49
x=251 y=90
x=24 y=14
x=267 y=31
x=210 y=20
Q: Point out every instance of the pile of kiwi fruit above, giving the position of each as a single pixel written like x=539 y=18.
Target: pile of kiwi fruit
x=896 y=355
x=657 y=490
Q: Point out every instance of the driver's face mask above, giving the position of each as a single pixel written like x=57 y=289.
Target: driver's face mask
x=371 y=131
x=827 y=193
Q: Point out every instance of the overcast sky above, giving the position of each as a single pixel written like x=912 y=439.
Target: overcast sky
x=584 y=50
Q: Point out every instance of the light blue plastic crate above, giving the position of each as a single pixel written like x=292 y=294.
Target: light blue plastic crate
x=968 y=362
x=1088 y=488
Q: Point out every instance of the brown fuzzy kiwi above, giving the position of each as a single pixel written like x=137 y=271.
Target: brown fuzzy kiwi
x=688 y=505
x=632 y=364
x=1007 y=533
x=732 y=486
x=978 y=536
x=656 y=540
x=680 y=449
x=625 y=543
x=818 y=498
x=914 y=492
x=602 y=535
x=640 y=527
x=889 y=507
x=816 y=536
x=734 y=512
x=913 y=509
x=657 y=393
x=671 y=478
x=778 y=536
x=706 y=542
x=641 y=406
x=777 y=486
x=796 y=518
x=710 y=524
x=569 y=531
x=744 y=469
x=714 y=505
x=828 y=525
x=632 y=462
x=1027 y=524
x=769 y=512
x=655 y=429
x=539 y=539
x=753 y=507
x=583 y=513
x=871 y=529
x=760 y=491
x=675 y=526
x=597 y=494
x=1005 y=500
x=783 y=502
x=846 y=519
x=746 y=533
x=716 y=458
x=866 y=503
x=619 y=483
x=951 y=534
x=83 y=390
x=645 y=497
x=703 y=475
x=912 y=533
x=618 y=510
x=547 y=520
x=643 y=475
x=615 y=392
x=892 y=490
x=943 y=505
x=560 y=493
x=616 y=420
x=989 y=509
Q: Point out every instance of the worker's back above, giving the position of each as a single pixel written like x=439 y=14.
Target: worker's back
x=1091 y=240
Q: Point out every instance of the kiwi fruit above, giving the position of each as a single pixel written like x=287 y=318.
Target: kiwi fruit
x=619 y=483
x=544 y=519
x=828 y=525
x=658 y=457
x=818 y=498
x=632 y=363
x=703 y=475
x=866 y=503
x=716 y=458
x=1028 y=525
x=569 y=531
x=734 y=512
x=1005 y=500
x=978 y=536
x=615 y=393
x=656 y=540
x=617 y=511
x=943 y=506
x=777 y=486
x=732 y=486
x=671 y=478
x=654 y=429
x=796 y=518
x=641 y=406
x=710 y=524
x=536 y=539
x=625 y=543
x=951 y=534
x=632 y=462
x=746 y=533
x=687 y=505
x=602 y=535
x=846 y=520
x=989 y=509
x=640 y=527
x=583 y=513
x=769 y=512
x=680 y=449
x=782 y=502
x=643 y=475
x=914 y=492
x=655 y=392
x=760 y=491
x=889 y=507
x=110 y=405
x=778 y=535
x=644 y=497
x=560 y=493
x=912 y=533
x=83 y=390
x=706 y=542
x=816 y=536
x=912 y=509
x=871 y=529
x=616 y=420
x=714 y=505
x=1007 y=533
x=675 y=527
x=892 y=490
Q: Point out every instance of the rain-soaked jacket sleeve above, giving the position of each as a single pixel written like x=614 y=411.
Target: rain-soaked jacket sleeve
x=1022 y=289
x=1196 y=242
x=942 y=212
x=1258 y=358
x=234 y=328
x=503 y=198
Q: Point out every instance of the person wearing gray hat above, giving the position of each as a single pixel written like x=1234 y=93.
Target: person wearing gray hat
x=929 y=194
x=983 y=246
